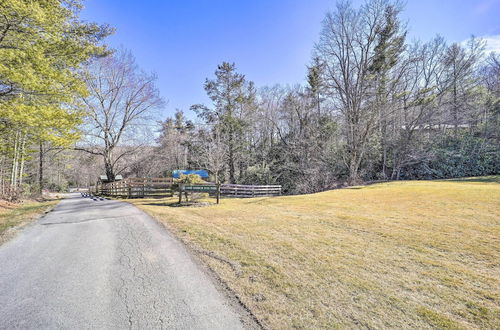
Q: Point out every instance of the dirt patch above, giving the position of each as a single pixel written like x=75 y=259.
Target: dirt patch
x=15 y=217
x=5 y=206
x=192 y=204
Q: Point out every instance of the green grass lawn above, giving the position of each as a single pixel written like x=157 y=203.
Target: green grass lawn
x=414 y=254
x=12 y=215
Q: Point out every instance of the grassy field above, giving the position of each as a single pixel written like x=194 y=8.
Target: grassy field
x=420 y=254
x=12 y=215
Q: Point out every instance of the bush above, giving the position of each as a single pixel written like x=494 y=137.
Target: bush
x=54 y=187
x=190 y=179
x=258 y=174
x=458 y=156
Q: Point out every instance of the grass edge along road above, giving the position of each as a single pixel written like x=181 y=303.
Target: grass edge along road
x=398 y=254
x=17 y=215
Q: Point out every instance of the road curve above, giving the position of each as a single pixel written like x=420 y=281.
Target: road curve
x=99 y=264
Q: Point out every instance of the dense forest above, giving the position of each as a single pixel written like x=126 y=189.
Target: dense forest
x=375 y=106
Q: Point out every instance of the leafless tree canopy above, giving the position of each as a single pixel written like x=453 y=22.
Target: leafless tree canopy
x=120 y=109
x=375 y=106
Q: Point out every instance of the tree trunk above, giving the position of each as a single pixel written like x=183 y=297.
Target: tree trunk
x=455 y=109
x=109 y=172
x=13 y=180
x=232 y=178
x=23 y=159
x=231 y=167
x=108 y=166
x=40 y=168
x=2 y=180
x=354 y=163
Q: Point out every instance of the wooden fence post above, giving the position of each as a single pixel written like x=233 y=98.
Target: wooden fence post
x=180 y=193
x=217 y=194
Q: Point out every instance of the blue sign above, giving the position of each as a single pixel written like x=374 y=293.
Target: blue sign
x=202 y=173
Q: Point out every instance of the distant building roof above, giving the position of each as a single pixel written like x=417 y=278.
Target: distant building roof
x=436 y=127
x=104 y=178
x=202 y=173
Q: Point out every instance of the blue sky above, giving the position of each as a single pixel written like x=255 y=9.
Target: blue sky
x=270 y=41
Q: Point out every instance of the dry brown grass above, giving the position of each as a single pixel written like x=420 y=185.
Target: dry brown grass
x=12 y=215
x=421 y=254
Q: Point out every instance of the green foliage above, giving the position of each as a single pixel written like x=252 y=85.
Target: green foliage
x=42 y=45
x=233 y=97
x=258 y=174
x=314 y=76
x=54 y=187
x=390 y=43
x=458 y=156
x=190 y=179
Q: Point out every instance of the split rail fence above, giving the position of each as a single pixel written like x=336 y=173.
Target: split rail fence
x=138 y=188
x=165 y=187
x=242 y=190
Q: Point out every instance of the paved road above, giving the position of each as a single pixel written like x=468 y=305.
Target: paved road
x=105 y=265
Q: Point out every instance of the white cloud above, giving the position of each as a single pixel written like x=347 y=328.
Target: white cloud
x=492 y=43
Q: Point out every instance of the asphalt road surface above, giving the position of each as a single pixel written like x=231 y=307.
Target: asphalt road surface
x=100 y=264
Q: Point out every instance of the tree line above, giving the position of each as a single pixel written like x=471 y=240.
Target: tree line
x=42 y=47
x=374 y=107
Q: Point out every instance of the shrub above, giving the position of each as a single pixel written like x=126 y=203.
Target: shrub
x=190 y=179
x=458 y=156
x=258 y=174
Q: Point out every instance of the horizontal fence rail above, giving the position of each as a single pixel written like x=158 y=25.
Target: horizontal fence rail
x=236 y=190
x=165 y=187
x=138 y=187
x=230 y=190
x=241 y=190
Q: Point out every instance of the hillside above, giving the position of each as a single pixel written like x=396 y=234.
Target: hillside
x=399 y=254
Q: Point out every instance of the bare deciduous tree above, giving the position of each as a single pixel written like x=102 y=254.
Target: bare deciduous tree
x=119 y=108
x=213 y=154
x=347 y=50
x=460 y=80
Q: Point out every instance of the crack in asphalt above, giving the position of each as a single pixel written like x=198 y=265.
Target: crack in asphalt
x=121 y=274
x=136 y=271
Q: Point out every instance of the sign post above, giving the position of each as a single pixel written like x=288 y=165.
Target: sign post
x=199 y=188
x=181 y=188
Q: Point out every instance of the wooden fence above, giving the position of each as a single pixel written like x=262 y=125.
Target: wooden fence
x=241 y=190
x=165 y=187
x=138 y=187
